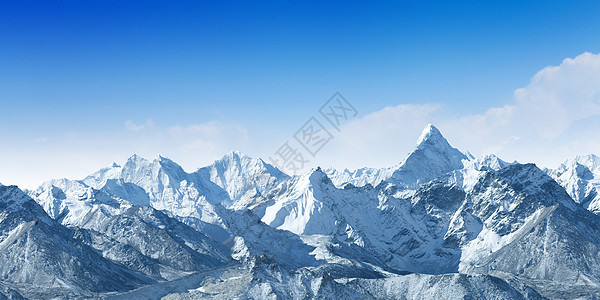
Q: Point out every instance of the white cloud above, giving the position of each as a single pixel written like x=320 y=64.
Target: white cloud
x=191 y=145
x=41 y=140
x=77 y=154
x=379 y=138
x=211 y=139
x=556 y=116
x=133 y=127
x=561 y=95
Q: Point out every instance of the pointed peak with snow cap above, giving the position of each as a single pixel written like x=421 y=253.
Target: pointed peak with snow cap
x=580 y=177
x=136 y=160
x=15 y=200
x=432 y=157
x=141 y=171
x=241 y=175
x=233 y=158
x=433 y=143
x=529 y=179
x=312 y=180
x=160 y=157
x=236 y=161
x=317 y=176
x=576 y=164
x=235 y=154
x=430 y=133
x=165 y=161
x=98 y=178
x=432 y=137
x=135 y=157
x=303 y=204
x=490 y=161
x=169 y=167
x=591 y=161
x=239 y=158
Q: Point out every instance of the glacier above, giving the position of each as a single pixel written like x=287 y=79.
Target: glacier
x=439 y=224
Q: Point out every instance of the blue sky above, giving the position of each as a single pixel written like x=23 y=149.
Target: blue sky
x=72 y=73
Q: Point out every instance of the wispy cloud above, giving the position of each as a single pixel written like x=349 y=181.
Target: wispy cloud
x=133 y=127
x=544 y=122
x=555 y=116
x=76 y=154
x=40 y=140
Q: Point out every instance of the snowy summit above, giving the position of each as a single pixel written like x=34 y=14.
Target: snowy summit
x=439 y=224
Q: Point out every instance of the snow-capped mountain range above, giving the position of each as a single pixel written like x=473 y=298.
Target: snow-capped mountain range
x=439 y=224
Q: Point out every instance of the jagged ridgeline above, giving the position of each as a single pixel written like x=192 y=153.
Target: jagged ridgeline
x=440 y=224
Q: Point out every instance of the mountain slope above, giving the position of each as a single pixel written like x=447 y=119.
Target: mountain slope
x=163 y=185
x=140 y=237
x=533 y=231
x=261 y=280
x=440 y=224
x=432 y=157
x=580 y=176
x=364 y=224
x=40 y=257
x=149 y=241
x=241 y=176
x=71 y=202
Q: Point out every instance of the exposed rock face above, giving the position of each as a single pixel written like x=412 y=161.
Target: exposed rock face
x=440 y=224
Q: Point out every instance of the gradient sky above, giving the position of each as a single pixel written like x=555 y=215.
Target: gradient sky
x=76 y=75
